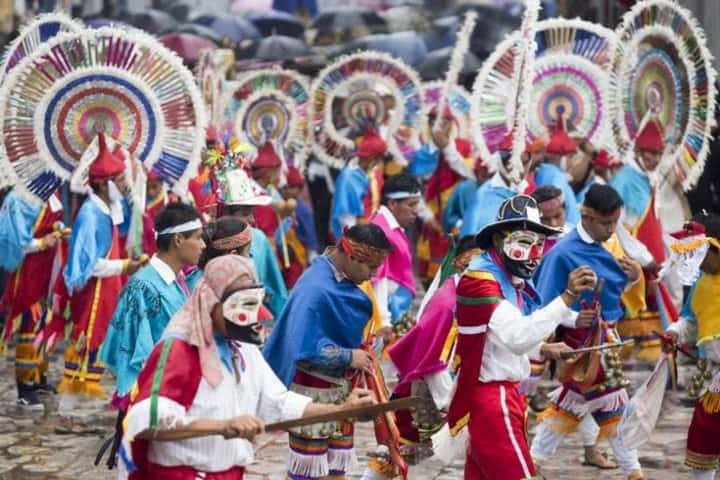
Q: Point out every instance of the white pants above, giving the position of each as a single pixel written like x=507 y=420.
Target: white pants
x=704 y=474
x=546 y=443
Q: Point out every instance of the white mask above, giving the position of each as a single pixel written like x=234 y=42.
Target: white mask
x=242 y=307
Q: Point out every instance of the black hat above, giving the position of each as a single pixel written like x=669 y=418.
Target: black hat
x=517 y=213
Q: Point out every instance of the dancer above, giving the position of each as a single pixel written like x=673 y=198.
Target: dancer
x=358 y=187
x=462 y=197
x=152 y=296
x=206 y=390
x=499 y=324
x=93 y=277
x=315 y=346
x=589 y=388
x=700 y=322
x=31 y=240
x=394 y=283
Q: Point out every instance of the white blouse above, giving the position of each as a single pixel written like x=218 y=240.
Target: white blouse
x=259 y=393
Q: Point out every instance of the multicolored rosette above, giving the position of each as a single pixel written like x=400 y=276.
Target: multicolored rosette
x=570 y=73
x=34 y=34
x=459 y=103
x=213 y=69
x=366 y=88
x=661 y=67
x=271 y=104
x=126 y=84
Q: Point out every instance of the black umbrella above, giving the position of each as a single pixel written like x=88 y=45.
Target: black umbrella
x=343 y=24
x=275 y=22
x=232 y=28
x=280 y=47
x=435 y=64
x=152 y=21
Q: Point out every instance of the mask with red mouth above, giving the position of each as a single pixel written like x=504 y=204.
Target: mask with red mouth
x=522 y=252
x=244 y=314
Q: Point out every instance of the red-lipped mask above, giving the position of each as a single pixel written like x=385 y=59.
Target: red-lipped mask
x=522 y=251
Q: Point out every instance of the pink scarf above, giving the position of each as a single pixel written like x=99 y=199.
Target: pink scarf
x=194 y=322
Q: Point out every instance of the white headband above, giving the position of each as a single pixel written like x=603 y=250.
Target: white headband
x=402 y=195
x=183 y=227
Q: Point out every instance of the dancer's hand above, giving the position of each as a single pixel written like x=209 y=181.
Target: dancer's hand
x=580 y=280
x=630 y=268
x=361 y=360
x=669 y=340
x=359 y=397
x=244 y=426
x=585 y=318
x=555 y=351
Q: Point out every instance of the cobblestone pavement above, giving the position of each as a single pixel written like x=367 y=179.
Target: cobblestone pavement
x=29 y=448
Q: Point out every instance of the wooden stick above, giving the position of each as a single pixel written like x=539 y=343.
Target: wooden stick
x=604 y=346
x=355 y=412
x=676 y=345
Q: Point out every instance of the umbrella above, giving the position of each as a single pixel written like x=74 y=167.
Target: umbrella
x=435 y=64
x=242 y=6
x=187 y=45
x=104 y=22
x=493 y=26
x=231 y=27
x=407 y=46
x=280 y=47
x=275 y=22
x=344 y=24
x=152 y=21
x=406 y=18
x=200 y=31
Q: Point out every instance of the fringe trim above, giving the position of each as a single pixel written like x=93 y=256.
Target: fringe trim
x=699 y=461
x=609 y=429
x=312 y=466
x=342 y=459
x=87 y=388
x=381 y=469
x=559 y=421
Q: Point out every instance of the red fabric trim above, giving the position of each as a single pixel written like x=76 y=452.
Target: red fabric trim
x=650 y=233
x=307 y=380
x=266 y=220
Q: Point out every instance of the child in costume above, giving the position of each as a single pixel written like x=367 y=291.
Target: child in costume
x=315 y=348
x=699 y=247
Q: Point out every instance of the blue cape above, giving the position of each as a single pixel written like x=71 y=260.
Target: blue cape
x=350 y=188
x=459 y=202
x=17 y=224
x=424 y=162
x=320 y=310
x=91 y=240
x=549 y=174
x=531 y=298
x=572 y=252
x=484 y=208
x=634 y=188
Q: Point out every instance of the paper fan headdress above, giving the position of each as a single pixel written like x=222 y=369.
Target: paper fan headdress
x=271 y=105
x=687 y=252
x=569 y=75
x=662 y=70
x=213 y=69
x=124 y=83
x=33 y=35
x=458 y=105
x=366 y=89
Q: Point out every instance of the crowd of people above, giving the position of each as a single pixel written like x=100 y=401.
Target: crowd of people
x=238 y=299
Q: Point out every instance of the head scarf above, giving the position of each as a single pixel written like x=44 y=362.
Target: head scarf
x=232 y=242
x=194 y=321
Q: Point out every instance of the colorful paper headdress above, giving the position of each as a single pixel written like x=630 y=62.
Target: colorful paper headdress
x=371 y=144
x=457 y=107
x=560 y=142
x=366 y=88
x=267 y=157
x=662 y=69
x=650 y=137
x=570 y=70
x=271 y=105
x=687 y=252
x=125 y=83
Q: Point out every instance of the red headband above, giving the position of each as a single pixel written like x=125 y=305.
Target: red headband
x=362 y=252
x=235 y=241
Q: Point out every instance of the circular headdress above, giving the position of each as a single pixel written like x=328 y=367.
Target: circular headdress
x=271 y=104
x=661 y=67
x=123 y=83
x=570 y=71
x=459 y=104
x=213 y=68
x=40 y=29
x=360 y=90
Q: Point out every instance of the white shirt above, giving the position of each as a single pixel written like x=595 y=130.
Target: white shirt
x=163 y=269
x=512 y=337
x=497 y=181
x=36 y=244
x=385 y=287
x=260 y=393
x=104 y=267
